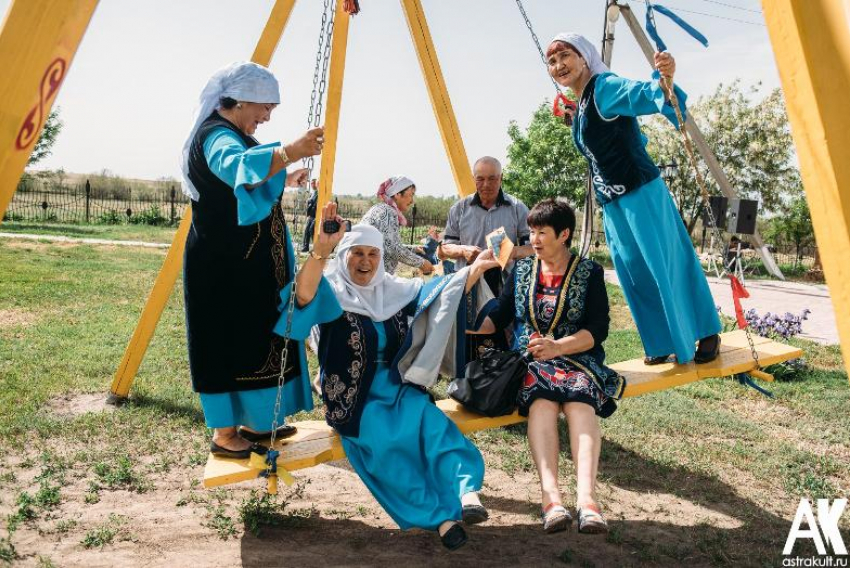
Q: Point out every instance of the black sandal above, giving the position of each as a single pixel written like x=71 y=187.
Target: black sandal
x=454 y=538
x=704 y=355
x=222 y=452
x=285 y=431
x=474 y=514
x=655 y=360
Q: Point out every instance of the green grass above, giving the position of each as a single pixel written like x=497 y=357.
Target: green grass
x=106 y=533
x=124 y=232
x=67 y=312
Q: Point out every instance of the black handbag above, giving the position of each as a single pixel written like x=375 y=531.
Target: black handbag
x=490 y=384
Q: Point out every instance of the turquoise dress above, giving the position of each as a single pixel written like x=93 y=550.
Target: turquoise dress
x=414 y=459
x=238 y=166
x=655 y=260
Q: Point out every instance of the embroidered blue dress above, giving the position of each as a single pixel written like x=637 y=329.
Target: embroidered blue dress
x=652 y=253
x=238 y=257
x=413 y=459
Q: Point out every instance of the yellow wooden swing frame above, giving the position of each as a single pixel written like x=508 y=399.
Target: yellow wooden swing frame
x=39 y=38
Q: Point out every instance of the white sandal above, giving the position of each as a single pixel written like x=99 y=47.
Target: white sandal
x=591 y=521
x=556 y=518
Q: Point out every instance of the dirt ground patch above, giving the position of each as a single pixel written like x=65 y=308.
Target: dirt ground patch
x=331 y=519
x=74 y=404
x=16 y=318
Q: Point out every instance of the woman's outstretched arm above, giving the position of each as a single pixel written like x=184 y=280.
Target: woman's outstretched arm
x=310 y=274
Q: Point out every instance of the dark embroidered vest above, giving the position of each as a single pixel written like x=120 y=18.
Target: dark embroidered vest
x=232 y=277
x=591 y=361
x=214 y=216
x=614 y=148
x=348 y=352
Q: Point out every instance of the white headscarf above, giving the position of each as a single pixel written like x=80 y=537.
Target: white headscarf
x=385 y=295
x=585 y=49
x=241 y=81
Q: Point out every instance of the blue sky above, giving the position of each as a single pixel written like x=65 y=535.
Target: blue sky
x=127 y=102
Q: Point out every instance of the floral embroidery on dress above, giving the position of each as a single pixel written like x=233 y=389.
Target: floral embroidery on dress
x=341 y=400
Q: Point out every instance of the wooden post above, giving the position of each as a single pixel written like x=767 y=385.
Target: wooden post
x=273 y=31
x=439 y=96
x=811 y=43
x=38 y=41
x=164 y=284
x=702 y=146
x=336 y=73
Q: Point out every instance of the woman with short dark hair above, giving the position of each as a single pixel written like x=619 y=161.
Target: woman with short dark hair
x=558 y=307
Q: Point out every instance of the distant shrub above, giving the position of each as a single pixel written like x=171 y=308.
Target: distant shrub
x=150 y=216
x=111 y=217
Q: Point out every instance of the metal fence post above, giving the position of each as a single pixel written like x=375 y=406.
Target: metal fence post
x=88 y=202
x=412 y=223
x=173 y=213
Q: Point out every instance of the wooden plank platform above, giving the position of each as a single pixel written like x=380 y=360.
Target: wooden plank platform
x=316 y=442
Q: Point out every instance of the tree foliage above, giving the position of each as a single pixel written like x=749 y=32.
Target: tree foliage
x=794 y=223
x=543 y=160
x=751 y=139
x=52 y=126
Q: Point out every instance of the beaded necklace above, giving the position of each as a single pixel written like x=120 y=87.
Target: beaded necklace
x=562 y=296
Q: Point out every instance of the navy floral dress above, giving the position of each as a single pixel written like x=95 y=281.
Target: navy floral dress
x=557 y=306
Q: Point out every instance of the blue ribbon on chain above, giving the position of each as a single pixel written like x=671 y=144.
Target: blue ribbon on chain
x=652 y=30
x=747 y=381
x=271 y=460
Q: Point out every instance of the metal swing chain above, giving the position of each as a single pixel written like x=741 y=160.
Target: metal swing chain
x=587 y=224
x=667 y=85
x=320 y=50
x=313 y=118
x=323 y=56
x=536 y=42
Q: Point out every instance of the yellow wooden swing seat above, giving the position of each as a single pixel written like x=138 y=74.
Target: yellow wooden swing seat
x=316 y=442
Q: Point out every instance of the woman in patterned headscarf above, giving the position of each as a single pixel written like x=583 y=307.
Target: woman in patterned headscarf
x=238 y=257
x=396 y=195
x=655 y=260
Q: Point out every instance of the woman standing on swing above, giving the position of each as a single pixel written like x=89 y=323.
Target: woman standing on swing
x=238 y=257
x=652 y=253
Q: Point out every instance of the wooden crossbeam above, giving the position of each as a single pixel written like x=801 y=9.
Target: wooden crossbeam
x=316 y=442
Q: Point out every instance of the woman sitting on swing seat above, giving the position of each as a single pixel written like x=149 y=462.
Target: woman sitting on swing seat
x=414 y=460
x=557 y=305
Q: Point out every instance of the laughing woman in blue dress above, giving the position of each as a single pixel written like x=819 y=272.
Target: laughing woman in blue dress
x=655 y=260
x=414 y=460
x=238 y=257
